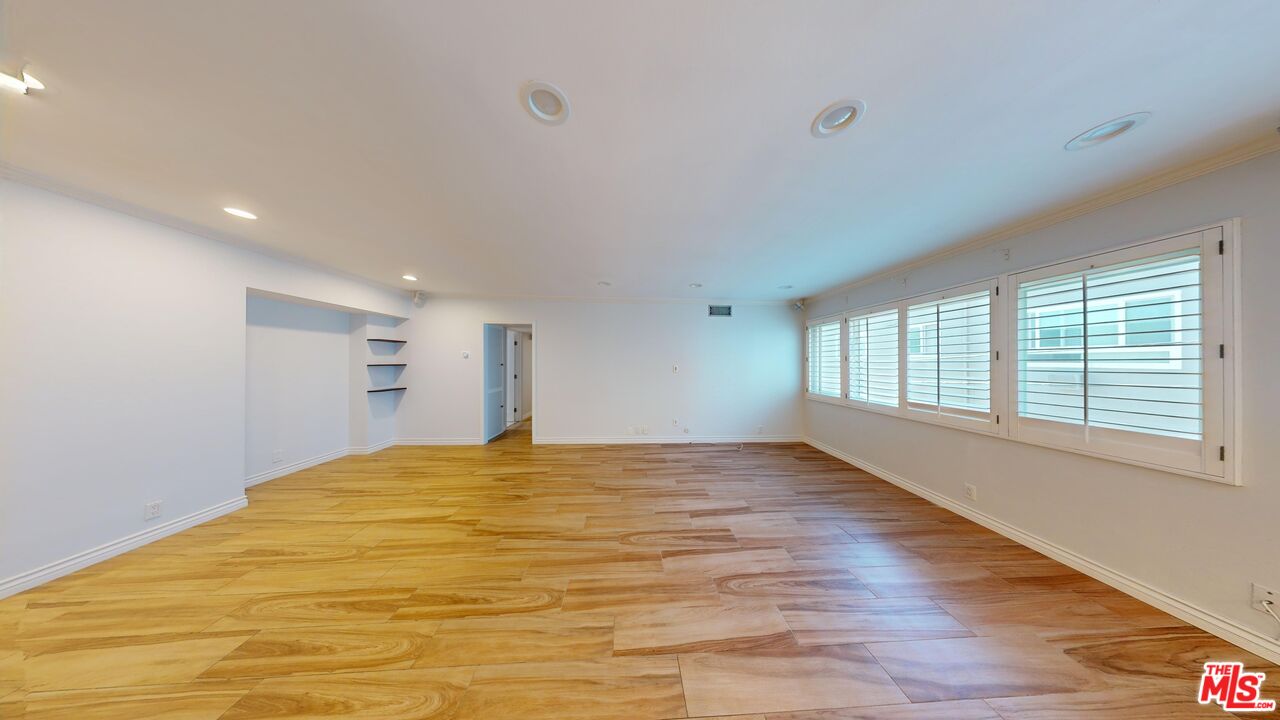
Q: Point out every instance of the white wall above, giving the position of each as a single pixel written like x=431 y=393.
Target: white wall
x=601 y=368
x=124 y=376
x=123 y=373
x=1200 y=542
x=297 y=374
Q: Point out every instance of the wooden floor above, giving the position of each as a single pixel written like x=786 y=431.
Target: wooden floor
x=628 y=582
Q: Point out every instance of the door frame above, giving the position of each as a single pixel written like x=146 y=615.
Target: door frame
x=515 y=377
x=530 y=374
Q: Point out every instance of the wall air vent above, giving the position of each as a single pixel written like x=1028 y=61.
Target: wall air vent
x=720 y=310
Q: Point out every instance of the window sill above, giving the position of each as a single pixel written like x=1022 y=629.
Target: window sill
x=829 y=399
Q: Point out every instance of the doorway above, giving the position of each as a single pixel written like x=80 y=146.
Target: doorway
x=508 y=380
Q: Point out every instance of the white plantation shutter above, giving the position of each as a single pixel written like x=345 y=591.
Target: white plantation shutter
x=949 y=356
x=1111 y=355
x=1143 y=369
x=1050 y=341
x=873 y=358
x=824 y=359
x=1117 y=347
x=1129 y=354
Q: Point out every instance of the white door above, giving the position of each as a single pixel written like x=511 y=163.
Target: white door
x=495 y=385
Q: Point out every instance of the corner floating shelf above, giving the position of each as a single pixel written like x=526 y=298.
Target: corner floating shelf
x=378 y=362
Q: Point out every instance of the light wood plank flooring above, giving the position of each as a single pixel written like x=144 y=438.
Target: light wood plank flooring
x=627 y=582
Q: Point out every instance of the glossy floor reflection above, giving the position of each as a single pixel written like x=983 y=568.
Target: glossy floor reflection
x=630 y=582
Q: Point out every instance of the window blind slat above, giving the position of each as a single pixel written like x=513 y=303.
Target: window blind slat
x=873 y=358
x=824 y=359
x=1119 y=346
x=949 y=354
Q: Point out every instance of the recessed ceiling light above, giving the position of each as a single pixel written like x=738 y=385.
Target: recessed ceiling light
x=604 y=283
x=1109 y=130
x=837 y=117
x=10 y=82
x=25 y=83
x=785 y=287
x=240 y=213
x=31 y=81
x=545 y=102
x=410 y=278
x=695 y=285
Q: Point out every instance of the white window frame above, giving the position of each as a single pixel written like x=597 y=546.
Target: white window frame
x=988 y=425
x=1215 y=456
x=972 y=422
x=846 y=317
x=844 y=357
x=1220 y=308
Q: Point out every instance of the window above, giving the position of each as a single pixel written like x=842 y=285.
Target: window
x=1126 y=354
x=1112 y=359
x=873 y=358
x=824 y=359
x=949 y=355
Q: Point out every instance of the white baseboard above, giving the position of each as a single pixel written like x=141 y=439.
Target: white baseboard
x=667 y=440
x=66 y=566
x=595 y=440
x=370 y=449
x=1210 y=622
x=294 y=467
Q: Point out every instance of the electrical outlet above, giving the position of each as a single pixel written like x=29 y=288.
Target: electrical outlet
x=151 y=510
x=1259 y=594
x=686 y=431
x=971 y=491
x=759 y=429
x=644 y=429
x=277 y=456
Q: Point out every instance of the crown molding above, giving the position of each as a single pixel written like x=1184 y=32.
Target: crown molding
x=604 y=300
x=1114 y=196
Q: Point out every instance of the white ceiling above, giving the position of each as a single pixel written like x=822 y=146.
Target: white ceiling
x=381 y=137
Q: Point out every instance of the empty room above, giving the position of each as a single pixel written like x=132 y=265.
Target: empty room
x=639 y=359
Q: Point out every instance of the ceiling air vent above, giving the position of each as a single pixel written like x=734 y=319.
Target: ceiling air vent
x=720 y=310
